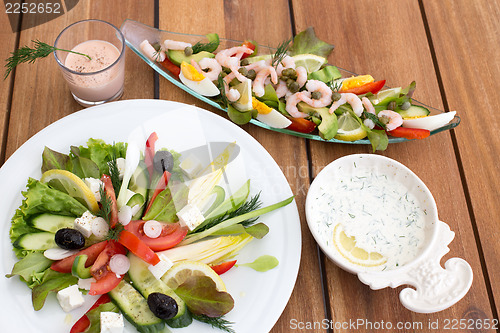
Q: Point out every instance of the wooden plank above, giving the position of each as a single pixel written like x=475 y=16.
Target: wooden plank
x=41 y=95
x=387 y=39
x=8 y=40
x=467 y=52
x=269 y=24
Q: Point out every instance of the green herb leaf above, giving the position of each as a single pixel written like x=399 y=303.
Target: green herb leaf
x=262 y=263
x=280 y=53
x=217 y=322
x=106 y=205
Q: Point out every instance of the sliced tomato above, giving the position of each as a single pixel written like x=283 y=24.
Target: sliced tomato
x=171 y=235
x=251 y=45
x=171 y=67
x=410 y=133
x=100 y=266
x=92 y=252
x=83 y=323
x=149 y=153
x=224 y=267
x=138 y=247
x=107 y=283
x=301 y=125
x=162 y=184
x=373 y=87
x=110 y=193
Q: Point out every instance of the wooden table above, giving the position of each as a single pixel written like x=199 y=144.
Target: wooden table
x=450 y=47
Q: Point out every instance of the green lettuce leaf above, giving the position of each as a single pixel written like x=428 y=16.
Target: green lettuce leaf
x=307 y=42
x=262 y=263
x=378 y=139
x=164 y=206
x=101 y=153
x=31 y=268
x=52 y=281
x=52 y=159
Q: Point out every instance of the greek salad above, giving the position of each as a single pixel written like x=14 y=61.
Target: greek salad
x=295 y=88
x=147 y=235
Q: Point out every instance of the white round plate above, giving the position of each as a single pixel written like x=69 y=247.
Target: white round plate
x=260 y=298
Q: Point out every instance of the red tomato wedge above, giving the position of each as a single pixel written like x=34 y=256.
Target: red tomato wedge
x=171 y=67
x=110 y=193
x=373 y=87
x=149 y=153
x=301 y=125
x=224 y=267
x=83 y=323
x=92 y=252
x=162 y=184
x=410 y=133
x=107 y=283
x=138 y=247
x=100 y=266
x=250 y=45
x=171 y=235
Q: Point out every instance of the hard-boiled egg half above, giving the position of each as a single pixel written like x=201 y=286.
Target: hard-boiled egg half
x=269 y=115
x=430 y=122
x=197 y=81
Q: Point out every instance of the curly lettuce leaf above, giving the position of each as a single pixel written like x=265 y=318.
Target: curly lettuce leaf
x=100 y=153
x=307 y=42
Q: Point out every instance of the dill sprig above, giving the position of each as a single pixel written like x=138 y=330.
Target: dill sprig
x=29 y=55
x=373 y=118
x=280 y=53
x=106 y=205
x=114 y=172
x=114 y=233
x=335 y=85
x=216 y=322
x=222 y=88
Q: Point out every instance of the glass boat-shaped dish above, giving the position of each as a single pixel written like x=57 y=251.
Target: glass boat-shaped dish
x=136 y=32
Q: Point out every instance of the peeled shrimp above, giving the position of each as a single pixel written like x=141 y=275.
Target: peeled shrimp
x=350 y=98
x=323 y=89
x=232 y=94
x=224 y=56
x=257 y=66
x=282 y=89
x=151 y=52
x=214 y=68
x=301 y=76
x=370 y=109
x=196 y=66
x=175 y=45
x=258 y=86
x=287 y=62
x=291 y=104
x=391 y=119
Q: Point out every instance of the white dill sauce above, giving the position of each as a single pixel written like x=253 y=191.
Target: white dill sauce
x=377 y=210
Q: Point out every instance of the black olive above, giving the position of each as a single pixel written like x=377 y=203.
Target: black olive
x=162 y=306
x=69 y=239
x=163 y=160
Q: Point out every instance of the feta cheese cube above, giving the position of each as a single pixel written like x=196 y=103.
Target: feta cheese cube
x=85 y=283
x=191 y=166
x=190 y=216
x=84 y=224
x=100 y=228
x=94 y=185
x=162 y=267
x=70 y=298
x=111 y=322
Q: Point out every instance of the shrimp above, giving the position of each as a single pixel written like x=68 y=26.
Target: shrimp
x=259 y=82
x=214 y=68
x=301 y=76
x=175 y=45
x=350 y=98
x=282 y=89
x=232 y=94
x=257 y=66
x=151 y=52
x=224 y=56
x=196 y=66
x=370 y=109
x=291 y=104
x=326 y=94
x=287 y=62
x=391 y=119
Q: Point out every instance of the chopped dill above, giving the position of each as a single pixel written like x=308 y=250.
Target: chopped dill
x=334 y=85
x=281 y=52
x=106 y=205
x=114 y=172
x=216 y=322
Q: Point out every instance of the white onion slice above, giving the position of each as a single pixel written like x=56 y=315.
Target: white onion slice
x=119 y=264
x=100 y=227
x=135 y=209
x=125 y=215
x=153 y=229
x=56 y=253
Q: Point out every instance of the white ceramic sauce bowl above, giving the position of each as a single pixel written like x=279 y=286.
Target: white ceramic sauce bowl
x=435 y=288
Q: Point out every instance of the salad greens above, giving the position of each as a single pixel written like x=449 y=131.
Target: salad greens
x=306 y=42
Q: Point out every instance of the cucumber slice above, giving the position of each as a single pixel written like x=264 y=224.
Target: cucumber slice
x=78 y=269
x=145 y=282
x=51 y=222
x=36 y=241
x=414 y=111
x=135 y=308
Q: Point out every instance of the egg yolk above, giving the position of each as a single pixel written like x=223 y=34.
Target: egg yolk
x=356 y=81
x=190 y=72
x=260 y=107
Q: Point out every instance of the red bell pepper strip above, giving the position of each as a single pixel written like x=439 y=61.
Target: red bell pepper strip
x=83 y=323
x=251 y=45
x=224 y=267
x=301 y=125
x=149 y=153
x=110 y=192
x=410 y=133
x=162 y=185
x=92 y=252
x=373 y=87
x=171 y=67
x=138 y=247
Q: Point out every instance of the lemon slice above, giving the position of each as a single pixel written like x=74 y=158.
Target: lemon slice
x=310 y=62
x=179 y=273
x=71 y=184
x=347 y=247
x=349 y=128
x=386 y=93
x=245 y=101
x=266 y=57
